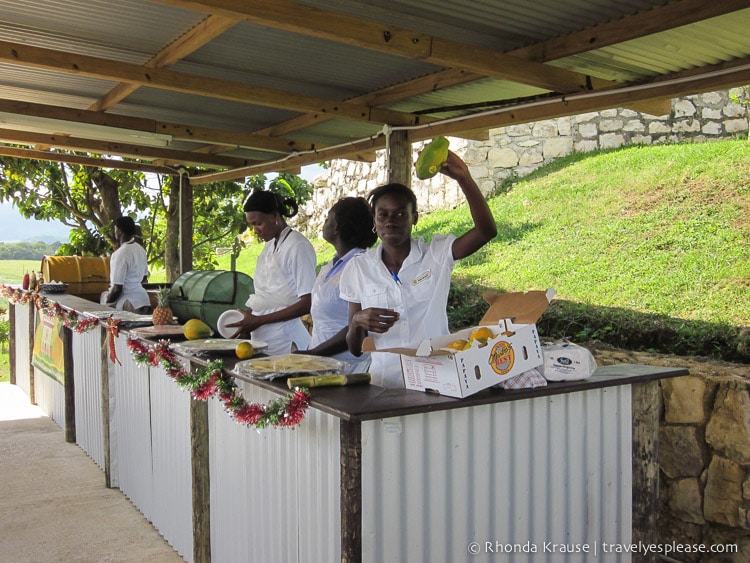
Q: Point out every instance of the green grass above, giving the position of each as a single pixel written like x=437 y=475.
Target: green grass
x=4 y=366
x=647 y=248
x=12 y=271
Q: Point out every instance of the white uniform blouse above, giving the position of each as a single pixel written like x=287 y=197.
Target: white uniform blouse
x=419 y=293
x=127 y=267
x=330 y=313
x=284 y=272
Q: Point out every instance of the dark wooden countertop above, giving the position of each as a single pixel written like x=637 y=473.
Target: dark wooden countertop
x=75 y=303
x=356 y=403
x=369 y=402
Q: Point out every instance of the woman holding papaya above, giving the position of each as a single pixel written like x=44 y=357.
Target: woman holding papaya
x=283 y=279
x=398 y=291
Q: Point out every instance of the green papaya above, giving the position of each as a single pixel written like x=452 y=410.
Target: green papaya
x=432 y=157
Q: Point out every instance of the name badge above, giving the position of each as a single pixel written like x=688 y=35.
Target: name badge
x=421 y=277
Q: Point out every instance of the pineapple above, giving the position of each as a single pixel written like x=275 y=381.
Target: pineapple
x=162 y=314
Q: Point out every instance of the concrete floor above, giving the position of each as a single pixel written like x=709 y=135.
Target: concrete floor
x=54 y=506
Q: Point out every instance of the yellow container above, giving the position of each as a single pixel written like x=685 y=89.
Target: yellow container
x=86 y=276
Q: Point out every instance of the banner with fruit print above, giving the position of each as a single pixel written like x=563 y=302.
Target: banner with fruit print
x=49 y=357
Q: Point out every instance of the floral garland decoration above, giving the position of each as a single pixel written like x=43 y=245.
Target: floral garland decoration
x=69 y=318
x=284 y=412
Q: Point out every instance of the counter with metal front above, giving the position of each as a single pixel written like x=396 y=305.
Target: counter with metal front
x=378 y=474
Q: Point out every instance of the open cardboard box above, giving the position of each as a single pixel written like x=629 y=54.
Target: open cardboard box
x=514 y=348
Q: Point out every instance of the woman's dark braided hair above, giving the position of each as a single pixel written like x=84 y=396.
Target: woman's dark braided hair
x=270 y=203
x=354 y=221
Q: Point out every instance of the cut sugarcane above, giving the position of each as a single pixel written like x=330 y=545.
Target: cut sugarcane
x=328 y=380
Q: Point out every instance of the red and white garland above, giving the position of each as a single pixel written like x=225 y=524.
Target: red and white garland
x=284 y=412
x=69 y=319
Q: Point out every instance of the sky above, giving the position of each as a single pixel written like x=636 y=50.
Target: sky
x=15 y=228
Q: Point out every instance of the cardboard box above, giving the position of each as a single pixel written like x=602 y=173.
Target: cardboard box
x=514 y=348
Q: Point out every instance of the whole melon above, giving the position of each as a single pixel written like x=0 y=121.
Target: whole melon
x=196 y=329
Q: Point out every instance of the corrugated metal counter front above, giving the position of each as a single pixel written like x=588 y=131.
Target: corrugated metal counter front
x=422 y=477
x=376 y=474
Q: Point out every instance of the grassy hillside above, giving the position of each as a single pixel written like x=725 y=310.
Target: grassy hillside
x=647 y=248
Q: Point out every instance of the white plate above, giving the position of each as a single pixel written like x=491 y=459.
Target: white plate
x=217 y=345
x=228 y=317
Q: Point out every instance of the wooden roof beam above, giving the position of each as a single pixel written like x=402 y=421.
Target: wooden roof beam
x=71 y=63
x=201 y=34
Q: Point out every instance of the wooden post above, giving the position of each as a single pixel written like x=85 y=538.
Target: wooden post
x=12 y=341
x=201 y=481
x=399 y=158
x=645 y=407
x=104 y=359
x=351 y=491
x=186 y=225
x=70 y=386
x=30 y=366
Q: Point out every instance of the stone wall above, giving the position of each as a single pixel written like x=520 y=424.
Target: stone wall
x=513 y=152
x=704 y=453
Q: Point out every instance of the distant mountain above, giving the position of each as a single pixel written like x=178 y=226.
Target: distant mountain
x=15 y=228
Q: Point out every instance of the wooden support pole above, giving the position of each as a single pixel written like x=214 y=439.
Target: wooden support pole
x=70 y=386
x=645 y=409
x=104 y=359
x=30 y=366
x=12 y=341
x=399 y=158
x=186 y=225
x=199 y=443
x=351 y=491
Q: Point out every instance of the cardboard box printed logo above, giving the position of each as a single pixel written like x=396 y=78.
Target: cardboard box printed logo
x=502 y=357
x=509 y=345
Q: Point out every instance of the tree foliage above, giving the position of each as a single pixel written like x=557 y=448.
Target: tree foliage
x=27 y=250
x=89 y=199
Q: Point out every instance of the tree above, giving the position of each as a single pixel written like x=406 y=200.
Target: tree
x=89 y=200
x=84 y=198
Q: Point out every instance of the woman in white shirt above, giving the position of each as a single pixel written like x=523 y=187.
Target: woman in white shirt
x=349 y=228
x=398 y=291
x=128 y=271
x=283 y=279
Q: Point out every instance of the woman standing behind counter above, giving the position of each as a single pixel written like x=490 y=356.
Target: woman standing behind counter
x=398 y=291
x=128 y=271
x=283 y=279
x=350 y=229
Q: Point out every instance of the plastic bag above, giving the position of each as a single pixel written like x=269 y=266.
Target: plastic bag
x=565 y=361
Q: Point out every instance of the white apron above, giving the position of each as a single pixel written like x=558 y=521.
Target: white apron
x=272 y=293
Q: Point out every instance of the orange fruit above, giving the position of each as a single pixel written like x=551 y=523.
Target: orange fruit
x=482 y=334
x=244 y=350
x=458 y=344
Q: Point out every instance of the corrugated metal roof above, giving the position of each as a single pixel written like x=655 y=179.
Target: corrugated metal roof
x=285 y=76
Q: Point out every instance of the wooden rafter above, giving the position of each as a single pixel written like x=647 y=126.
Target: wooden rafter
x=82 y=65
x=201 y=34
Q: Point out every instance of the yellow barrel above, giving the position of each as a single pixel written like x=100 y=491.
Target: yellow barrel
x=86 y=276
